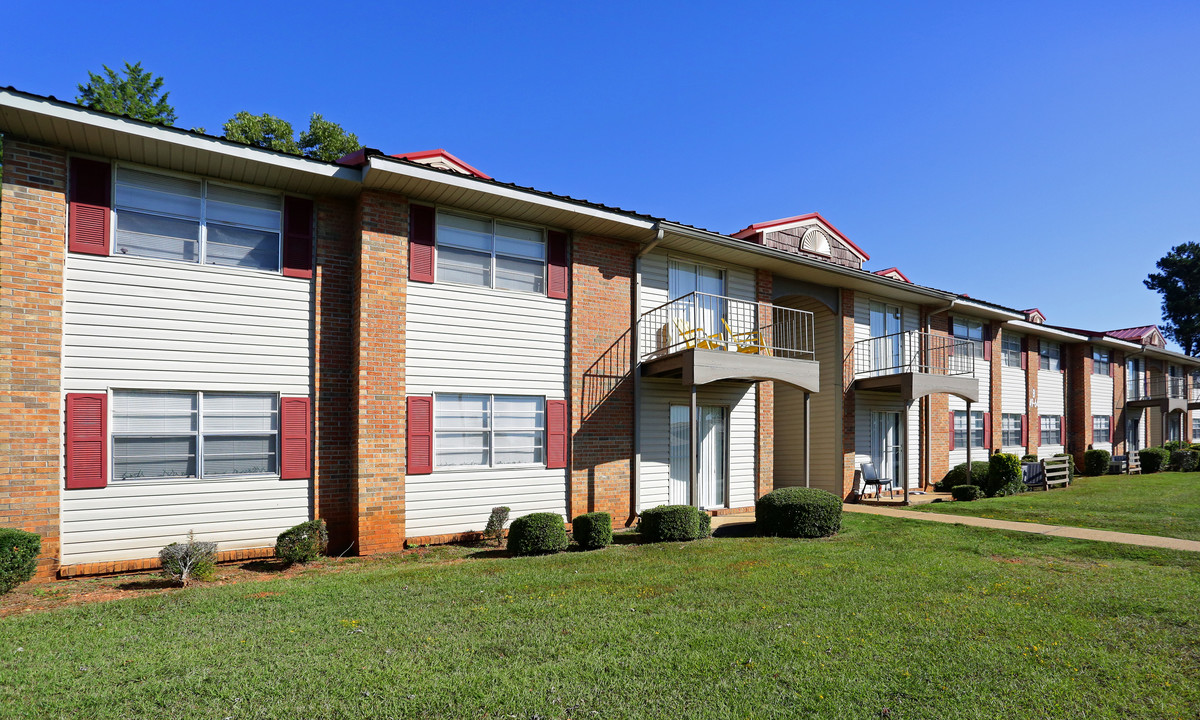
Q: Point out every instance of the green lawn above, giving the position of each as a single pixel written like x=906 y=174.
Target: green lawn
x=1161 y=504
x=928 y=620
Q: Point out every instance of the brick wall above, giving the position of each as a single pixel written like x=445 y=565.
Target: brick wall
x=1118 y=408
x=1079 y=399
x=601 y=352
x=333 y=381
x=1032 y=420
x=939 y=405
x=848 y=410
x=33 y=231
x=765 y=401
x=378 y=337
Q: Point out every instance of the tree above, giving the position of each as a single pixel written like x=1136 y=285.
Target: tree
x=1179 y=284
x=323 y=140
x=135 y=95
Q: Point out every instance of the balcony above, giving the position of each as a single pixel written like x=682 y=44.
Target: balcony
x=916 y=364
x=1170 y=394
x=703 y=338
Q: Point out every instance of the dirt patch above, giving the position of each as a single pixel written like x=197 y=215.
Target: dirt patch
x=1011 y=560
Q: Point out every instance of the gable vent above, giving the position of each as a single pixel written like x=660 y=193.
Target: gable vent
x=815 y=240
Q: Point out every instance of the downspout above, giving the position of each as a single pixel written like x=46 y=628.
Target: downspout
x=635 y=364
x=927 y=435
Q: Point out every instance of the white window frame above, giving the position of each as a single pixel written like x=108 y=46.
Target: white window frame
x=1050 y=356
x=1196 y=428
x=1101 y=357
x=491 y=433
x=976 y=415
x=1006 y=352
x=970 y=324
x=1042 y=429
x=202 y=239
x=199 y=433
x=437 y=226
x=1107 y=430
x=1005 y=419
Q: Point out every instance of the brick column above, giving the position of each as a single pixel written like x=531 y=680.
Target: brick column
x=1118 y=408
x=601 y=384
x=995 y=390
x=765 y=401
x=939 y=407
x=848 y=411
x=1032 y=420
x=333 y=381
x=33 y=241
x=378 y=312
x=1079 y=400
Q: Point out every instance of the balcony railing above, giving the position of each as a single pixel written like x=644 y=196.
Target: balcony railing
x=1160 y=387
x=913 y=352
x=714 y=322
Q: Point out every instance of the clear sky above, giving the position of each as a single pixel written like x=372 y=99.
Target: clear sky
x=1032 y=154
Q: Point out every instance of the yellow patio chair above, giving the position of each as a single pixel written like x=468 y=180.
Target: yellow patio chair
x=750 y=342
x=697 y=337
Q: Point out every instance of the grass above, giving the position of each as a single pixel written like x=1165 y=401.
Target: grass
x=1165 y=504
x=926 y=620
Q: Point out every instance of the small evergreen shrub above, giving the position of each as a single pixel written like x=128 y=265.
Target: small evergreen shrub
x=940 y=486
x=966 y=493
x=1004 y=476
x=302 y=543
x=184 y=562
x=592 y=530
x=1153 y=459
x=1173 y=445
x=958 y=475
x=18 y=557
x=495 y=524
x=1185 y=460
x=537 y=534
x=798 y=512
x=1029 y=458
x=1096 y=462
x=673 y=523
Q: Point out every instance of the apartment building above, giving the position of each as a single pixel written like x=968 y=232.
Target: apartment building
x=204 y=336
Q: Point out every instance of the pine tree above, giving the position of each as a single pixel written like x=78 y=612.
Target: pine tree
x=135 y=95
x=1179 y=284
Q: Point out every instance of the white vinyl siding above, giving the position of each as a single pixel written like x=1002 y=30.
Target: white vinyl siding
x=739 y=282
x=1100 y=388
x=864 y=404
x=654 y=421
x=1050 y=401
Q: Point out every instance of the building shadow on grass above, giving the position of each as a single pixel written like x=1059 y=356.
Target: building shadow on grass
x=149 y=583
x=266 y=566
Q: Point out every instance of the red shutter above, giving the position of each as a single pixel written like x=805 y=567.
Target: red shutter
x=950 y=444
x=1024 y=431
x=558 y=417
x=90 y=193
x=987 y=430
x=1024 y=353
x=421 y=234
x=87 y=440
x=297 y=237
x=295 y=438
x=558 y=284
x=420 y=435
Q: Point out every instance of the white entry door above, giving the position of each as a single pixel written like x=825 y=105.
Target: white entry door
x=887 y=454
x=714 y=454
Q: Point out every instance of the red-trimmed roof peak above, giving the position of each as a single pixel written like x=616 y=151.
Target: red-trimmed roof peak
x=893 y=272
x=430 y=157
x=797 y=220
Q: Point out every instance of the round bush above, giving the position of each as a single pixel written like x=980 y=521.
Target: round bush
x=537 y=534
x=1185 y=460
x=18 y=557
x=798 y=512
x=966 y=493
x=1153 y=459
x=592 y=530
x=302 y=543
x=958 y=475
x=673 y=523
x=1004 y=475
x=1095 y=462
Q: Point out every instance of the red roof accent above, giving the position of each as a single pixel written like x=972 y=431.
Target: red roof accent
x=1034 y=311
x=759 y=227
x=1134 y=333
x=896 y=270
x=424 y=154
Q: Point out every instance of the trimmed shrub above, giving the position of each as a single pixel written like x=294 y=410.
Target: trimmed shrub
x=18 y=557
x=592 y=530
x=495 y=524
x=302 y=543
x=672 y=523
x=798 y=512
x=705 y=525
x=537 y=534
x=184 y=562
x=966 y=493
x=1173 y=445
x=958 y=475
x=1185 y=460
x=1029 y=458
x=1004 y=476
x=1095 y=462
x=1153 y=459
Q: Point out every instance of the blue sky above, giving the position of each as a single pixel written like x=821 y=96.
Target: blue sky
x=1031 y=154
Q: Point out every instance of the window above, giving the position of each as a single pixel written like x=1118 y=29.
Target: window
x=194 y=435
x=1010 y=429
x=174 y=218
x=1101 y=429
x=1010 y=350
x=965 y=329
x=1174 y=429
x=488 y=430
x=1051 y=430
x=490 y=253
x=1101 y=357
x=978 y=431
x=1196 y=428
x=1050 y=356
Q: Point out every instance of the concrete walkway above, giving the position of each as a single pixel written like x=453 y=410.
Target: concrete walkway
x=1026 y=527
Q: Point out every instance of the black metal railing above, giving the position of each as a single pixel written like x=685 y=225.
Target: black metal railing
x=1160 y=387
x=913 y=351
x=715 y=322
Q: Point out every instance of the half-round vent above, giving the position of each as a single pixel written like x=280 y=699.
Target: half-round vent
x=815 y=240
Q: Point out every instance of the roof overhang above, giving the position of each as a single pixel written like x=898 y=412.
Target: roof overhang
x=978 y=309
x=1045 y=331
x=1170 y=355
x=91 y=132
